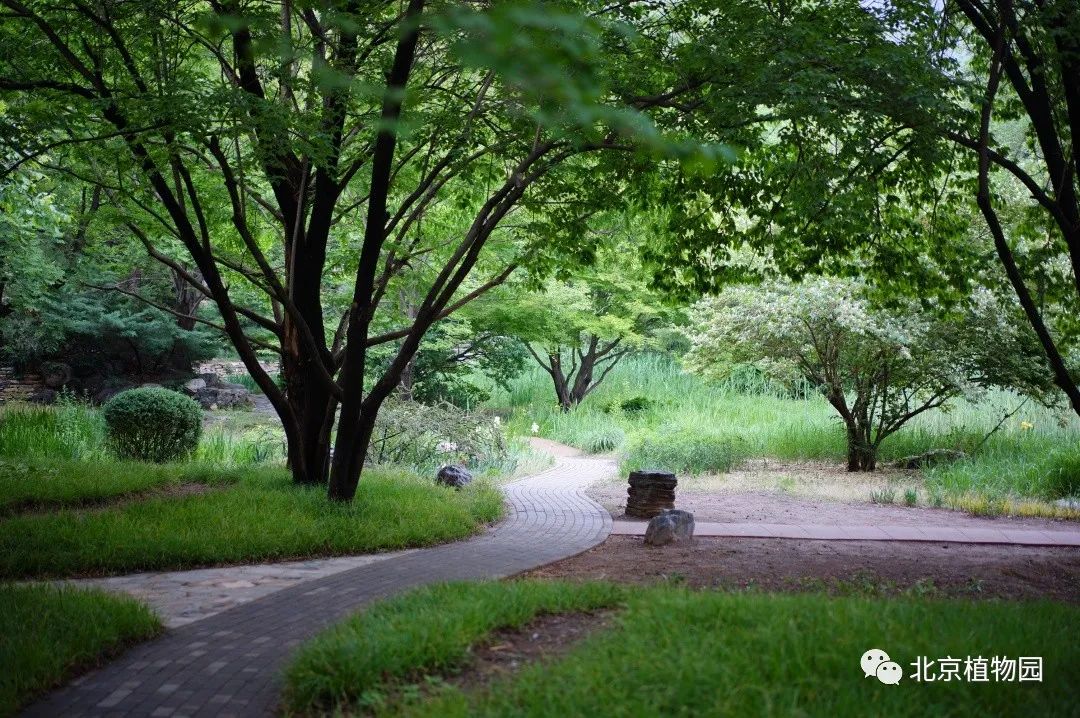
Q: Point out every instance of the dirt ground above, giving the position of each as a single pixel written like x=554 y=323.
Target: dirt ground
x=843 y=567
x=777 y=492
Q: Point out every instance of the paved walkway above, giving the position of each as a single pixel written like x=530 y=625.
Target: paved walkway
x=830 y=532
x=182 y=597
x=229 y=664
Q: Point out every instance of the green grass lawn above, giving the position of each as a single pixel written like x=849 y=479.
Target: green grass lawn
x=262 y=516
x=47 y=634
x=679 y=652
x=654 y=414
x=37 y=484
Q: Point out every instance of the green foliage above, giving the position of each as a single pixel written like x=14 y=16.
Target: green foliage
x=878 y=367
x=40 y=483
x=68 y=430
x=602 y=439
x=153 y=424
x=685 y=451
x=1045 y=470
x=425 y=437
x=261 y=517
x=431 y=629
x=1012 y=464
x=53 y=632
x=751 y=654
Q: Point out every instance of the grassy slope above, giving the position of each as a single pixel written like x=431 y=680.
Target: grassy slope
x=693 y=426
x=49 y=633
x=262 y=517
x=677 y=652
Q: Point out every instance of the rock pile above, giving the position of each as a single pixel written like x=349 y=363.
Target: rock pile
x=650 y=493
x=213 y=393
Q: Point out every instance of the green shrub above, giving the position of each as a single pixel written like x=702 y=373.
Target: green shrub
x=152 y=424
x=636 y=405
x=603 y=439
x=686 y=451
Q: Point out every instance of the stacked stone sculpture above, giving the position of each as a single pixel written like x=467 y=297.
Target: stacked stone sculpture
x=650 y=493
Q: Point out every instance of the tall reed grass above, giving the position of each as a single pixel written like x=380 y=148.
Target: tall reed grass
x=687 y=424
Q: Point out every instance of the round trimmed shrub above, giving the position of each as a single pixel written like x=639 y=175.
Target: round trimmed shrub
x=152 y=424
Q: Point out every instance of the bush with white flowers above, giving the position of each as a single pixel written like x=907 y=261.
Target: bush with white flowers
x=879 y=368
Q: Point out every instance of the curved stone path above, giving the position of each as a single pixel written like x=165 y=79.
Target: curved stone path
x=229 y=664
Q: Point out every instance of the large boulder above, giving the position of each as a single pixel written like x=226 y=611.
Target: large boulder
x=930 y=458
x=455 y=476
x=671 y=526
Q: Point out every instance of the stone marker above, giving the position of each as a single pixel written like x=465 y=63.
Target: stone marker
x=455 y=476
x=650 y=493
x=671 y=526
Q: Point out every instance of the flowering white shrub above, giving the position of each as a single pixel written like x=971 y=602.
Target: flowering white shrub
x=878 y=368
x=427 y=436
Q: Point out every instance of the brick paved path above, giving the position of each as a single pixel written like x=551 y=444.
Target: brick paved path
x=229 y=664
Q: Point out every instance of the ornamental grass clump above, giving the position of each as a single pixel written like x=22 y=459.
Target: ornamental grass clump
x=152 y=424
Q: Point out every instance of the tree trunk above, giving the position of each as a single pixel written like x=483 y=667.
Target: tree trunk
x=558 y=378
x=314 y=408
x=861 y=454
x=349 y=451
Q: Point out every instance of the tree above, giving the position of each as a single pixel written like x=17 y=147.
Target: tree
x=578 y=328
x=877 y=368
x=1035 y=47
x=980 y=102
x=301 y=159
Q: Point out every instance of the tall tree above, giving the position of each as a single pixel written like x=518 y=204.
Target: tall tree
x=292 y=150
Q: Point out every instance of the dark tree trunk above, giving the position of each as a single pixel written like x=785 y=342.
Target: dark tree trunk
x=573 y=385
x=861 y=452
x=313 y=408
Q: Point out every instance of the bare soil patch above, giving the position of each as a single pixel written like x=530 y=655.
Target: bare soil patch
x=546 y=637
x=954 y=570
x=817 y=492
x=169 y=491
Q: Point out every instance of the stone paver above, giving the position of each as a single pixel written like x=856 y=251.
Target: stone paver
x=230 y=663
x=831 y=532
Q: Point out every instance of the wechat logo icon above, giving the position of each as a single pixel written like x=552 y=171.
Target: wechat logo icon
x=875 y=662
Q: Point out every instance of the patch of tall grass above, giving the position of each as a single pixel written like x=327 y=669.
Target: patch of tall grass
x=685 y=423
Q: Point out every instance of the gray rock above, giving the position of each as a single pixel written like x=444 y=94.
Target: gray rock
x=455 y=476
x=110 y=390
x=223 y=396
x=1068 y=503
x=671 y=526
x=44 y=395
x=211 y=379
x=930 y=458
x=194 y=386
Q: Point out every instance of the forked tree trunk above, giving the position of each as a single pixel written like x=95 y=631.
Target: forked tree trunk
x=861 y=452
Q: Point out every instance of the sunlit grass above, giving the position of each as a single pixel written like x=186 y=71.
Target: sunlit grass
x=262 y=516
